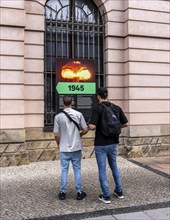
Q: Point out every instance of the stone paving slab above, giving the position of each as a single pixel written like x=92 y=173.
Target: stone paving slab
x=159 y=214
x=31 y=191
x=154 y=214
x=158 y=163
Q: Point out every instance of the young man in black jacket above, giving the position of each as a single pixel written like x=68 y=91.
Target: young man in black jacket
x=106 y=146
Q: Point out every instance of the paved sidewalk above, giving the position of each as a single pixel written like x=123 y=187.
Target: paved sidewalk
x=155 y=214
x=30 y=192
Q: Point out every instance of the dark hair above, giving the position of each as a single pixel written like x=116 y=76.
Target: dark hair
x=67 y=100
x=102 y=92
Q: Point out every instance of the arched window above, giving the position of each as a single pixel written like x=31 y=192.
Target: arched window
x=73 y=29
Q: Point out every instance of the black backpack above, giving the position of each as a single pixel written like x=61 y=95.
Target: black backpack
x=110 y=124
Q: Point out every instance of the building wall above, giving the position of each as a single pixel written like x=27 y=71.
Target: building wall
x=137 y=56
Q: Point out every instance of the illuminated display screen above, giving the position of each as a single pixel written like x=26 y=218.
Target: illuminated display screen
x=75 y=76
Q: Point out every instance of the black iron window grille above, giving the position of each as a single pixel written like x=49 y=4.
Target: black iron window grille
x=73 y=29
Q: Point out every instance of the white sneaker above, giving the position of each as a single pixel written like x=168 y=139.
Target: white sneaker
x=105 y=200
x=119 y=195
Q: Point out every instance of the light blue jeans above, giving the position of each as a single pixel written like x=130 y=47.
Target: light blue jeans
x=75 y=158
x=109 y=152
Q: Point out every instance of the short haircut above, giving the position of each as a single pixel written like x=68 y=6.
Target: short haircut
x=102 y=92
x=67 y=100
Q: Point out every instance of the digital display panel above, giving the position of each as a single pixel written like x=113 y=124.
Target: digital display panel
x=75 y=76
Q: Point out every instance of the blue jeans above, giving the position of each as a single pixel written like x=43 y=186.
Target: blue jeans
x=75 y=158
x=109 y=152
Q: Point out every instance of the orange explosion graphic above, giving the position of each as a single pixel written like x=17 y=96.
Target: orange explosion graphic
x=75 y=71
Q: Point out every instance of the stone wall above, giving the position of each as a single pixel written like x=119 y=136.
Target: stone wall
x=39 y=146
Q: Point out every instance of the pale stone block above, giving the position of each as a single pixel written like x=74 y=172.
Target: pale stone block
x=12 y=4
x=32 y=25
x=12 y=106
x=12 y=148
x=12 y=63
x=149 y=119
x=115 y=29
x=153 y=16
x=90 y=134
x=147 y=68
x=42 y=2
x=150 y=5
x=12 y=76
x=149 y=130
x=114 y=80
x=115 y=68
x=52 y=144
x=12 y=17
x=37 y=145
x=116 y=5
x=147 y=43
x=3 y=147
x=34 y=37
x=150 y=80
x=149 y=106
x=34 y=51
x=47 y=155
x=9 y=136
x=34 y=78
x=12 y=92
x=34 y=155
x=38 y=134
x=148 y=29
x=114 y=55
x=4 y=162
x=12 y=48
x=116 y=93
x=88 y=152
x=12 y=121
x=126 y=93
x=34 y=7
x=114 y=43
x=12 y=33
x=32 y=107
x=34 y=92
x=149 y=93
x=120 y=103
x=115 y=16
x=34 y=121
x=148 y=56
x=32 y=65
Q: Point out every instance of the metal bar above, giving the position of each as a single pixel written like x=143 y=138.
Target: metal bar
x=98 y=49
x=88 y=40
x=45 y=69
x=67 y=32
x=78 y=35
x=62 y=33
x=83 y=33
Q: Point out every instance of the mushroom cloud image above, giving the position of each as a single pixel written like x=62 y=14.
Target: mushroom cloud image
x=75 y=71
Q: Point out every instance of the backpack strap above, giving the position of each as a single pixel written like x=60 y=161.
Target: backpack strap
x=76 y=124
x=111 y=105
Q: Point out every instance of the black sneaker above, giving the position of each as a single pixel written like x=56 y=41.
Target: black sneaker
x=81 y=195
x=105 y=199
x=118 y=194
x=62 y=195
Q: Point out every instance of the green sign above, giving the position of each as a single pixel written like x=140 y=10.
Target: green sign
x=76 y=88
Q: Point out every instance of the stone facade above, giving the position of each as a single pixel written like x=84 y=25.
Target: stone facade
x=137 y=65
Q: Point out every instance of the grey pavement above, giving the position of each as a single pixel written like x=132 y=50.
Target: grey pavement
x=155 y=214
x=31 y=192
